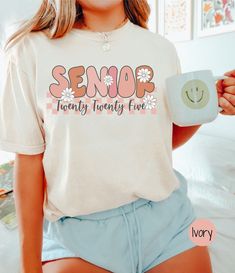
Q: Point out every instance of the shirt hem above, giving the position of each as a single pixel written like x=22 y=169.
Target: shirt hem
x=21 y=149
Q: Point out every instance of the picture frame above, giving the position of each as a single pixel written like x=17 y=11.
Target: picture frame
x=175 y=19
x=214 y=17
x=152 y=23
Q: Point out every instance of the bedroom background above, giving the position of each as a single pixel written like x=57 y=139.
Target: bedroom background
x=210 y=167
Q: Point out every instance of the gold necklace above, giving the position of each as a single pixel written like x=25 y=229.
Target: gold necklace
x=105 y=34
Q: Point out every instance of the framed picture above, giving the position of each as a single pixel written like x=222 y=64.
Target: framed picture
x=175 y=19
x=152 y=24
x=215 y=17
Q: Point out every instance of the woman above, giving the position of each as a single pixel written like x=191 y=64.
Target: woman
x=83 y=106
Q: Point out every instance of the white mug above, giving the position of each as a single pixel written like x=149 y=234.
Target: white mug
x=192 y=97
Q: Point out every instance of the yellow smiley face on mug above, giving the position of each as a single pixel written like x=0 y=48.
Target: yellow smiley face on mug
x=195 y=94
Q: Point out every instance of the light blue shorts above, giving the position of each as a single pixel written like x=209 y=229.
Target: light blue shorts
x=131 y=238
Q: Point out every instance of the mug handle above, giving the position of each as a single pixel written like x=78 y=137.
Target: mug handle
x=216 y=78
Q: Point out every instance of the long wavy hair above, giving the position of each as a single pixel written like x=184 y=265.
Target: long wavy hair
x=57 y=17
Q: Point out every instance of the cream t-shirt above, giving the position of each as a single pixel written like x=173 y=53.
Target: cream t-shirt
x=98 y=112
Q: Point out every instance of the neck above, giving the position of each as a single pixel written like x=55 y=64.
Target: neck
x=102 y=21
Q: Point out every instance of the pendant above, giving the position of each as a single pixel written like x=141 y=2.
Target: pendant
x=106 y=46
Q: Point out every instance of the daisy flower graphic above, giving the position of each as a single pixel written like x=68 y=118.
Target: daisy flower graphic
x=67 y=94
x=108 y=80
x=143 y=75
x=149 y=101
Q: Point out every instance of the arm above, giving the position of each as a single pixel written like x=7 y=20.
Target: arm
x=29 y=193
x=182 y=134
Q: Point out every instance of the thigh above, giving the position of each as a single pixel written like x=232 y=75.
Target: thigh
x=194 y=260
x=71 y=265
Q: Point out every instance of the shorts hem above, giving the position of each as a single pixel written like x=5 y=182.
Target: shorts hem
x=66 y=255
x=169 y=255
x=55 y=257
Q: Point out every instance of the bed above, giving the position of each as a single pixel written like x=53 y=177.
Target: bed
x=208 y=163
x=210 y=171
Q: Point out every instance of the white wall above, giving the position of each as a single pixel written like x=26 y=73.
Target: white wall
x=215 y=52
x=13 y=10
x=218 y=54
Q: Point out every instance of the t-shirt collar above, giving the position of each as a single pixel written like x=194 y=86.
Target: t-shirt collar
x=98 y=36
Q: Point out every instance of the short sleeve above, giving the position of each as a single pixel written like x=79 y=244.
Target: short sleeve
x=21 y=128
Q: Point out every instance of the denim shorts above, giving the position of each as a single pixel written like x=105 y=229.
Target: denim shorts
x=132 y=238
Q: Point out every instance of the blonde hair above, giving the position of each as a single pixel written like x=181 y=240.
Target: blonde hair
x=57 y=17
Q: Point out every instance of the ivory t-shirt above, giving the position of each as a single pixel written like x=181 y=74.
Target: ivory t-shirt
x=98 y=112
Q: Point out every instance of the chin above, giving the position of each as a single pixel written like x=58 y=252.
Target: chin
x=99 y=4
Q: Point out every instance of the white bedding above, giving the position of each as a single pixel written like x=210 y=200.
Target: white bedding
x=219 y=207
x=9 y=251
x=208 y=163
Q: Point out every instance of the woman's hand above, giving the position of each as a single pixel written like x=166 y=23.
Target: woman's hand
x=226 y=93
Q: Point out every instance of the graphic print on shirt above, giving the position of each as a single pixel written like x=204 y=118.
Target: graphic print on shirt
x=109 y=90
